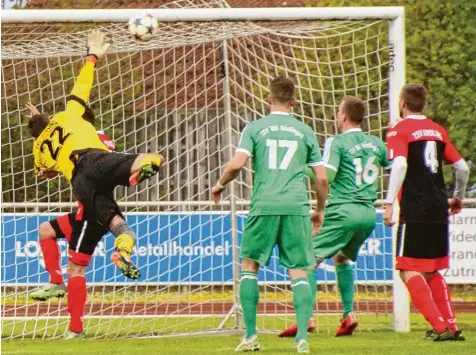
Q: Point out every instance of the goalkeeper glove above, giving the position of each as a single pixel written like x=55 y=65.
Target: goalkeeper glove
x=96 y=44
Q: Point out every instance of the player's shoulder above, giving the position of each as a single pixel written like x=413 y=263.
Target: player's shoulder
x=292 y=124
x=400 y=127
x=304 y=127
x=60 y=117
x=437 y=126
x=249 y=125
x=334 y=141
x=377 y=142
x=374 y=139
x=415 y=123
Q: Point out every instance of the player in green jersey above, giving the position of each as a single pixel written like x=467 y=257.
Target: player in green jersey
x=352 y=160
x=281 y=147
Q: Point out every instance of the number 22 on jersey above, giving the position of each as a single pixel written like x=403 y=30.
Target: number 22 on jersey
x=48 y=143
x=291 y=148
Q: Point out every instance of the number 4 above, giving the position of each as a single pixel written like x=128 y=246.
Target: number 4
x=431 y=156
x=273 y=144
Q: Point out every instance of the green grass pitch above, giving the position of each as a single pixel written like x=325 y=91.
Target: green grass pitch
x=362 y=343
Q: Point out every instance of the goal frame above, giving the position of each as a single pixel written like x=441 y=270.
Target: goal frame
x=396 y=36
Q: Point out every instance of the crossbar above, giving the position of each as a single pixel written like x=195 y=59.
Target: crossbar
x=201 y=15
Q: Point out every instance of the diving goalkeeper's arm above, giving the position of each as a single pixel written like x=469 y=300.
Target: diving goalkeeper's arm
x=97 y=47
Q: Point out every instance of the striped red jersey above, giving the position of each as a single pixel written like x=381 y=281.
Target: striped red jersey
x=426 y=146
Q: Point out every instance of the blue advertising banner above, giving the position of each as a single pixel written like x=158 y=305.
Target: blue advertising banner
x=172 y=248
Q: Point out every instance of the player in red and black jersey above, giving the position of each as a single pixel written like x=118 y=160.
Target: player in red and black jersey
x=418 y=148
x=58 y=228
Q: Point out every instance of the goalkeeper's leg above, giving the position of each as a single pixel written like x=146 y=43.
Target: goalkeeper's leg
x=144 y=167
x=125 y=241
x=108 y=214
x=94 y=186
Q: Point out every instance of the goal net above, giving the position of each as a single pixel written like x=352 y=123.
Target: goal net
x=187 y=93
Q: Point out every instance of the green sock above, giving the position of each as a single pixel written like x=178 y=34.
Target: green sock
x=311 y=277
x=345 y=281
x=302 y=304
x=249 y=296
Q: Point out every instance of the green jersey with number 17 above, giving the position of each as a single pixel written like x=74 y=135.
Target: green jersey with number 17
x=355 y=157
x=282 y=147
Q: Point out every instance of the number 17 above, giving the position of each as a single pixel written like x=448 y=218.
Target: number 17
x=273 y=144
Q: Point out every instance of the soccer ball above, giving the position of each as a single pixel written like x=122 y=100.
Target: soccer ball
x=144 y=27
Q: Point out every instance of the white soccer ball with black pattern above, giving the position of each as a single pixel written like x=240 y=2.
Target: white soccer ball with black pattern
x=143 y=27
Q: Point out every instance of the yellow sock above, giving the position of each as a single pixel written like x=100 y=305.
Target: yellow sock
x=150 y=159
x=124 y=244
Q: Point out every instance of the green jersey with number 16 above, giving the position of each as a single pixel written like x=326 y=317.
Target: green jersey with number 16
x=282 y=147
x=355 y=157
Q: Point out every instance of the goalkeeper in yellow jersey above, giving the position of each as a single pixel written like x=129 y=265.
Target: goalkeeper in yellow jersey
x=69 y=145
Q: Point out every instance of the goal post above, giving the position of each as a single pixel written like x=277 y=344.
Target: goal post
x=189 y=92
x=396 y=34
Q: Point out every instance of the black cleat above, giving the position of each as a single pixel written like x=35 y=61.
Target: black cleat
x=458 y=336
x=444 y=336
x=429 y=334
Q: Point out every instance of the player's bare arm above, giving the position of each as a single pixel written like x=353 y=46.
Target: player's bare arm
x=321 y=187
x=47 y=174
x=32 y=108
x=232 y=169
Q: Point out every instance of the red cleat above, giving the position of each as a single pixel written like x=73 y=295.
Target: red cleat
x=292 y=330
x=347 y=325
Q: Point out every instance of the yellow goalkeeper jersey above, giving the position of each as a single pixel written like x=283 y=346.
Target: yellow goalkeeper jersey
x=67 y=133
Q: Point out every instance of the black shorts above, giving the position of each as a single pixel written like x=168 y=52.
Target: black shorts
x=422 y=247
x=63 y=225
x=96 y=175
x=82 y=236
x=85 y=237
